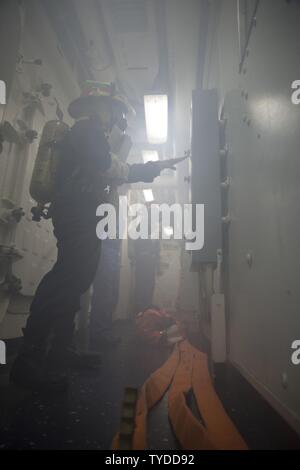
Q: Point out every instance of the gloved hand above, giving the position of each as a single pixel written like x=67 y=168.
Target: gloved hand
x=171 y=162
x=148 y=171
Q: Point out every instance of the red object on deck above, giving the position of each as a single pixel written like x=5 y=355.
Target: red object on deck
x=152 y=324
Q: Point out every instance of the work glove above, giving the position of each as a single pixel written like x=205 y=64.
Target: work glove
x=171 y=163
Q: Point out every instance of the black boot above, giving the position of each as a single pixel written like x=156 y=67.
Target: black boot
x=28 y=371
x=83 y=359
x=73 y=359
x=104 y=340
x=110 y=340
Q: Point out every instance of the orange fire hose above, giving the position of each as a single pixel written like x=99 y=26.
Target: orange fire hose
x=186 y=370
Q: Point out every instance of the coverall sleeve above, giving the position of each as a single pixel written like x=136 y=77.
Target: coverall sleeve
x=120 y=173
x=145 y=172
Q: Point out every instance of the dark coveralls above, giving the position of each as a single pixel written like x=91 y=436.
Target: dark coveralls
x=85 y=153
x=106 y=291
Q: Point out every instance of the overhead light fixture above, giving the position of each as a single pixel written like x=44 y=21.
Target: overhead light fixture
x=150 y=156
x=156 y=113
x=148 y=195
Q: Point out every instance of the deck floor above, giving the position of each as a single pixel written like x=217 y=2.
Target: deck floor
x=88 y=415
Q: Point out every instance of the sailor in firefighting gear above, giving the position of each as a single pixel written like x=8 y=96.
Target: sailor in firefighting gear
x=85 y=167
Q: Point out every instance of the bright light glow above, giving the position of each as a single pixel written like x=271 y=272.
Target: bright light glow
x=273 y=112
x=148 y=195
x=156 y=113
x=150 y=156
x=168 y=231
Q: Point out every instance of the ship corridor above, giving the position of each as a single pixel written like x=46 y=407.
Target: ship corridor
x=197 y=328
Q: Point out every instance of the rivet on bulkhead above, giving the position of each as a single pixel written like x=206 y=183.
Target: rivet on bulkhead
x=226 y=220
x=224 y=152
x=226 y=184
x=222 y=123
x=249 y=259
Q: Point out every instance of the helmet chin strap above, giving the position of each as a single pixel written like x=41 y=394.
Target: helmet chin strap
x=118 y=119
x=122 y=124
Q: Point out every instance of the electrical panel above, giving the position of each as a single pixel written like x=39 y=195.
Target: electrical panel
x=205 y=174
